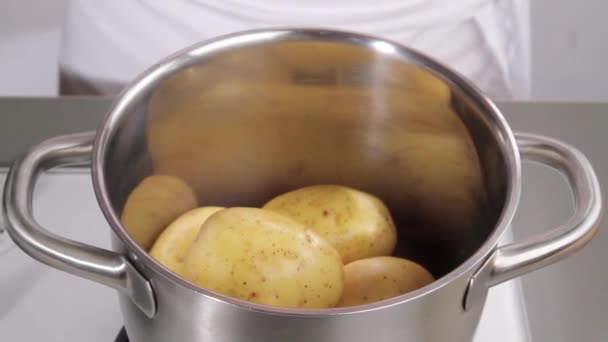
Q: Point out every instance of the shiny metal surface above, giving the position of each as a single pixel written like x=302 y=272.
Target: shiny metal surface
x=100 y=265
x=248 y=116
x=513 y=260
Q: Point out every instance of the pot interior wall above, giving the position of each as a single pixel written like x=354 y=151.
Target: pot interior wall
x=241 y=126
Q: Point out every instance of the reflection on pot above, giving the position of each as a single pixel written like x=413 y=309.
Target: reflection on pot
x=252 y=123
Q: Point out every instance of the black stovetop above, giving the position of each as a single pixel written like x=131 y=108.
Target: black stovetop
x=122 y=336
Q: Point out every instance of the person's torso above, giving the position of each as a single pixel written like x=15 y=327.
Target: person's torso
x=142 y=32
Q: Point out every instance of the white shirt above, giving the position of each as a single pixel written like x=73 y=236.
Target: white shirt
x=114 y=41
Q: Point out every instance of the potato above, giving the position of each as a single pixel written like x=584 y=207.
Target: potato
x=357 y=224
x=174 y=242
x=374 y=279
x=154 y=203
x=260 y=256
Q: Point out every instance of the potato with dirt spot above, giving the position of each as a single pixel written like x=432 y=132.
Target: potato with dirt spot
x=374 y=279
x=356 y=223
x=174 y=242
x=264 y=257
x=153 y=204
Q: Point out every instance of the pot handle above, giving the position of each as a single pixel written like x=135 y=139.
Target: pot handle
x=513 y=260
x=93 y=263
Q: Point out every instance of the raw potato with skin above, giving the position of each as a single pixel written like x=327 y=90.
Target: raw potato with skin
x=357 y=224
x=374 y=279
x=154 y=203
x=260 y=256
x=174 y=242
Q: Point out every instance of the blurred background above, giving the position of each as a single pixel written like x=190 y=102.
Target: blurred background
x=567 y=48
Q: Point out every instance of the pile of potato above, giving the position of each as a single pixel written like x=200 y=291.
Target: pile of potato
x=316 y=247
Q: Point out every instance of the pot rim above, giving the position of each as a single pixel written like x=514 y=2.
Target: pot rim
x=148 y=79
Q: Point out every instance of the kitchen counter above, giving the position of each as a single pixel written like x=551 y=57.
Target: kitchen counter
x=564 y=302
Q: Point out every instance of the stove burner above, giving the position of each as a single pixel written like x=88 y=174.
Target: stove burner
x=122 y=336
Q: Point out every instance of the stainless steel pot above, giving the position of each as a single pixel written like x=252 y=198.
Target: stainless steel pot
x=250 y=115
